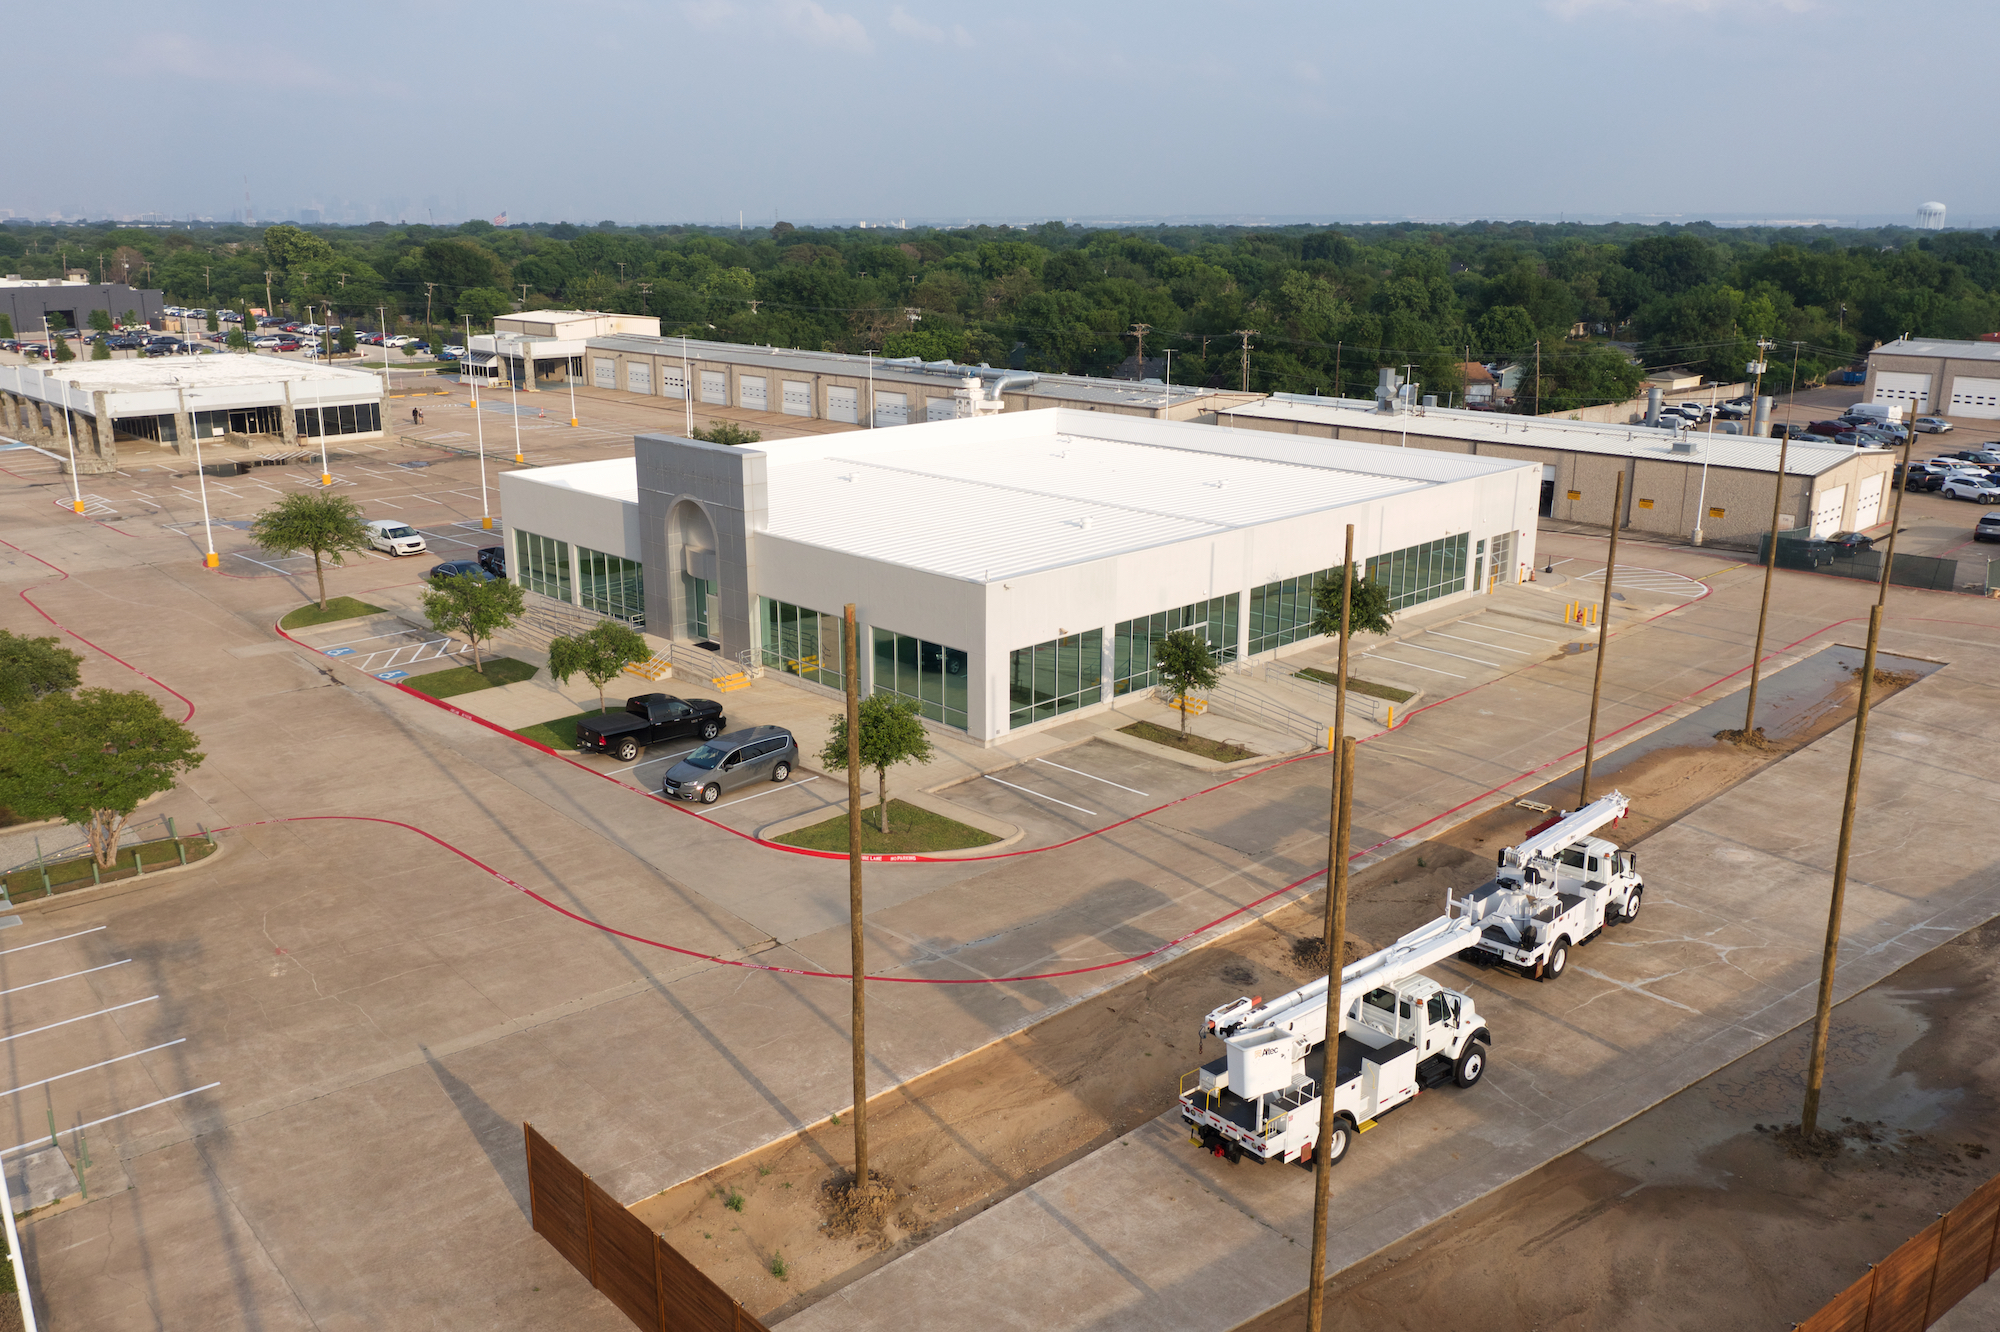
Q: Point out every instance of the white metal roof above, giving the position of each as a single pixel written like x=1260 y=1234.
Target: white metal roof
x=612 y=478
x=1940 y=348
x=1746 y=452
x=1002 y=496
x=142 y=374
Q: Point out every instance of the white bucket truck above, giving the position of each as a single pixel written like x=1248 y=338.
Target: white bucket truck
x=1555 y=891
x=1401 y=1033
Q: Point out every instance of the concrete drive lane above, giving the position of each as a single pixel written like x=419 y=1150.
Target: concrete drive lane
x=1152 y=1233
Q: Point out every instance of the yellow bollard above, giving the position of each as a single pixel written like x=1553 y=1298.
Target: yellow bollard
x=77 y=505
x=1392 y=717
x=212 y=561
x=486 y=523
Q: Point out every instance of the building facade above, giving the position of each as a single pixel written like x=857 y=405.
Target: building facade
x=1676 y=481
x=1008 y=569
x=39 y=306
x=1941 y=377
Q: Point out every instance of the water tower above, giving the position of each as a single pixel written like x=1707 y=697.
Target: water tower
x=1930 y=217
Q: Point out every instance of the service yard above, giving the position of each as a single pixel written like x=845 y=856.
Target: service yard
x=423 y=933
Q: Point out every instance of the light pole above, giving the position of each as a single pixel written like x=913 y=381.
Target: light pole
x=75 y=482
x=514 y=387
x=319 y=412
x=201 y=477
x=1168 y=414
x=871 y=390
x=479 y=426
x=569 y=377
x=687 y=385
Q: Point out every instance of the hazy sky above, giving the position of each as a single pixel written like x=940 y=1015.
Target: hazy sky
x=690 y=110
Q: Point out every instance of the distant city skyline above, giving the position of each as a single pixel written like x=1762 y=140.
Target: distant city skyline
x=836 y=111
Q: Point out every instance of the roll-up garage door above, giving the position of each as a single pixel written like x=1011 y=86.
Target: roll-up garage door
x=639 y=377
x=892 y=409
x=715 y=387
x=750 y=392
x=672 y=384
x=1894 y=386
x=1868 y=503
x=1827 y=509
x=843 y=404
x=604 y=372
x=798 y=397
x=940 y=409
x=1975 y=397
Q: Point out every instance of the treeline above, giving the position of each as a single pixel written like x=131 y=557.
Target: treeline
x=1325 y=306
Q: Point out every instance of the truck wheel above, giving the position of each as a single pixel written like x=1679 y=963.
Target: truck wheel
x=710 y=794
x=627 y=750
x=1334 y=1149
x=1558 y=961
x=782 y=771
x=1471 y=1064
x=708 y=730
x=1631 y=911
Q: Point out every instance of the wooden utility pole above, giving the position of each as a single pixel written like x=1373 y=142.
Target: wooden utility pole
x=1246 y=334
x=1338 y=391
x=1538 y=412
x=1823 y=1013
x=1603 y=639
x=850 y=664
x=1139 y=332
x=1341 y=750
x=1770 y=555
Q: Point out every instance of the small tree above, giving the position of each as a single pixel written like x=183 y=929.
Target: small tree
x=478 y=608
x=214 y=320
x=346 y=339
x=890 y=734
x=130 y=319
x=61 y=351
x=238 y=340
x=598 y=654
x=90 y=759
x=327 y=525
x=100 y=320
x=98 y=351
x=6 y=326
x=1185 y=664
x=727 y=432
x=31 y=668
x=1368 y=613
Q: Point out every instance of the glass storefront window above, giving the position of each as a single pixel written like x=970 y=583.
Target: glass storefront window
x=1282 y=612
x=1416 y=574
x=699 y=592
x=611 y=585
x=1132 y=640
x=1055 y=677
x=801 y=642
x=542 y=565
x=929 y=673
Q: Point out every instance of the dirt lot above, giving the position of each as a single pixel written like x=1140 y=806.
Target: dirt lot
x=974 y=1132
x=1695 y=1215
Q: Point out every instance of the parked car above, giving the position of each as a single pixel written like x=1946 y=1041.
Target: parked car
x=396 y=340
x=453 y=568
x=1933 y=425
x=288 y=344
x=1730 y=411
x=264 y=340
x=166 y=347
x=1983 y=457
x=1981 y=489
x=1850 y=543
x=1987 y=528
x=493 y=559
x=396 y=537
x=756 y=754
x=1694 y=411
x=35 y=351
x=649 y=719
x=1921 y=476
x=1828 y=428
x=453 y=349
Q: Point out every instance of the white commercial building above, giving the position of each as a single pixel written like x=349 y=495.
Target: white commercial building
x=1009 y=569
x=263 y=402
x=1938 y=375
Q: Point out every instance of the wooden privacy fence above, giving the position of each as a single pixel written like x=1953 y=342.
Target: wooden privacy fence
x=1933 y=1270
x=635 y=1269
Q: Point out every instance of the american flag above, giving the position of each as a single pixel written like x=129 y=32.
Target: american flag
x=500 y=220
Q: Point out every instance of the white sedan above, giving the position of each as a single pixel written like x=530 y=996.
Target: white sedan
x=1981 y=489
x=266 y=341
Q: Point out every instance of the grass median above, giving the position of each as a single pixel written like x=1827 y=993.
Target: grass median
x=64 y=876
x=1387 y=693
x=337 y=608
x=912 y=831
x=1219 y=750
x=561 y=733
x=457 y=680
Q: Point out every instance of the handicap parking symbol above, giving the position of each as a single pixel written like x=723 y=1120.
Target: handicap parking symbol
x=339 y=652
x=392 y=675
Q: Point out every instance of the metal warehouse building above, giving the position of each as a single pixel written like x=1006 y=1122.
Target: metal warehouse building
x=37 y=306
x=535 y=350
x=257 y=402
x=1950 y=378
x=1012 y=568
x=1675 y=481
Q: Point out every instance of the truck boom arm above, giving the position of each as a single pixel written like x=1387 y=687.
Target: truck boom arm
x=1571 y=828
x=1303 y=1011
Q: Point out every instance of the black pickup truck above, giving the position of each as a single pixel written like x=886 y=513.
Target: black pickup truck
x=648 y=719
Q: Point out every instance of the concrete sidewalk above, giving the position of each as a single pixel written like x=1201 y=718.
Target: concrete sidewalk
x=1152 y=1233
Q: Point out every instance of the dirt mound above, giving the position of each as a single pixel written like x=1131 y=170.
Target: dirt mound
x=1754 y=740
x=1309 y=951
x=847 y=1210
x=1888 y=679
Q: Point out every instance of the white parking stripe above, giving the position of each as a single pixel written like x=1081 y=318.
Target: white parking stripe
x=1494 y=628
x=36 y=1142
x=1454 y=655
x=29 y=1086
x=643 y=763
x=1095 y=778
x=79 y=1018
x=1477 y=643
x=1039 y=796
x=1398 y=661
x=777 y=789
x=58 y=939
x=71 y=976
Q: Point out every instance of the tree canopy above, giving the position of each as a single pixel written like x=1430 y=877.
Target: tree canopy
x=476 y=607
x=890 y=734
x=326 y=524
x=1329 y=306
x=31 y=668
x=1185 y=664
x=598 y=654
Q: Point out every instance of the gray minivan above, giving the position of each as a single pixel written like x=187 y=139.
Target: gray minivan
x=756 y=753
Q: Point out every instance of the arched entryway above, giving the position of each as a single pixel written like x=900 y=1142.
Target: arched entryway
x=691 y=548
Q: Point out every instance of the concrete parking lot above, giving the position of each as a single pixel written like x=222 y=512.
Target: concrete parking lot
x=380 y=1000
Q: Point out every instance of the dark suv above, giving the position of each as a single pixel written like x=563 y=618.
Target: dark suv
x=755 y=754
